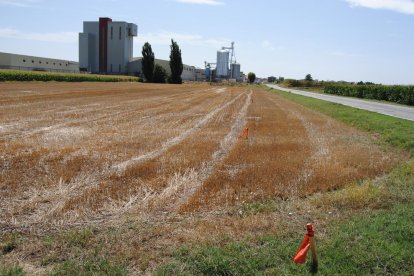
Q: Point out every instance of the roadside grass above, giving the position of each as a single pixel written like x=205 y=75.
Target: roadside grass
x=8 y=243
x=14 y=270
x=79 y=252
x=394 y=131
x=94 y=265
x=381 y=244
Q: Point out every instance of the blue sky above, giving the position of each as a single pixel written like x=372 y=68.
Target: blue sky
x=369 y=40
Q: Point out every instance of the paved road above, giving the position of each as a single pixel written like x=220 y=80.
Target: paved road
x=399 y=111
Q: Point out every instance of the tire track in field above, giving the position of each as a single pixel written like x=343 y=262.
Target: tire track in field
x=64 y=190
x=319 y=145
x=112 y=209
x=181 y=186
x=184 y=186
x=320 y=151
x=121 y=167
x=95 y=113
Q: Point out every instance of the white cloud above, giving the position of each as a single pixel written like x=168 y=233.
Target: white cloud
x=60 y=37
x=402 y=6
x=202 y=2
x=164 y=38
x=18 y=3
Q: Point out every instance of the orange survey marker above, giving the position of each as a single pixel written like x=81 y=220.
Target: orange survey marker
x=244 y=133
x=308 y=242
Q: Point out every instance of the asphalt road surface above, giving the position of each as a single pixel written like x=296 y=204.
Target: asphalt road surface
x=399 y=111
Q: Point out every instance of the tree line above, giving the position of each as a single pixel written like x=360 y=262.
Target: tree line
x=156 y=73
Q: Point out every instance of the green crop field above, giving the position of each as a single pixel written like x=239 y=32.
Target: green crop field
x=395 y=93
x=15 y=75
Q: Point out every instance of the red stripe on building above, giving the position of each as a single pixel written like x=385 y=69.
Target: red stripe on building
x=103 y=44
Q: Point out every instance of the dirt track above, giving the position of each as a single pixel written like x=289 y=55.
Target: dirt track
x=89 y=152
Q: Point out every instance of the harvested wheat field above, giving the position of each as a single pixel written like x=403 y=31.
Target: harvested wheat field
x=167 y=158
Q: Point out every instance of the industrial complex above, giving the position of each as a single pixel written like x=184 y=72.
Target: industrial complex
x=106 y=47
x=226 y=67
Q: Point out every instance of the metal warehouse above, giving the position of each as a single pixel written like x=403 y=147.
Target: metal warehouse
x=31 y=63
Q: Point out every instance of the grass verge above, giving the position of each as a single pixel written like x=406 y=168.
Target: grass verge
x=6 y=270
x=381 y=244
x=93 y=266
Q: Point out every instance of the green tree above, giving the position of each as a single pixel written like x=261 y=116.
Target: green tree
x=252 y=77
x=148 y=61
x=176 y=63
x=160 y=74
x=308 y=77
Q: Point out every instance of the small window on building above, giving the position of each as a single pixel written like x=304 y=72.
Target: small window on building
x=112 y=33
x=47 y=62
x=32 y=61
x=120 y=33
x=24 y=60
x=60 y=64
x=54 y=63
x=40 y=62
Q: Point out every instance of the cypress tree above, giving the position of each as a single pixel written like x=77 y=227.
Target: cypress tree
x=176 y=63
x=148 y=62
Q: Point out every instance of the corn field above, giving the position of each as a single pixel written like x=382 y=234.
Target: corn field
x=396 y=93
x=15 y=75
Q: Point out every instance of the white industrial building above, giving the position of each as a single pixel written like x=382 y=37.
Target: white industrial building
x=32 y=63
x=106 y=47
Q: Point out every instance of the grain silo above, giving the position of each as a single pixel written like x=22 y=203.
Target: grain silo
x=222 y=68
x=235 y=71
